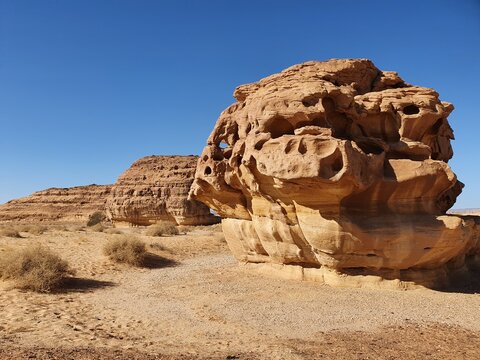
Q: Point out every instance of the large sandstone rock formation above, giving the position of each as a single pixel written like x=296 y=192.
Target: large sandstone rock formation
x=336 y=168
x=66 y=204
x=155 y=188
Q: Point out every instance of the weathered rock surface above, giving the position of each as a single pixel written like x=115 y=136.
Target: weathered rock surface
x=67 y=204
x=338 y=168
x=155 y=188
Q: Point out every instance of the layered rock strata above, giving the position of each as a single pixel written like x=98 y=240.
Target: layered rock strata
x=66 y=204
x=337 y=170
x=154 y=189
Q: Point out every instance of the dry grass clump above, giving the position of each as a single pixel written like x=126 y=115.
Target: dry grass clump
x=161 y=229
x=185 y=229
x=33 y=229
x=113 y=231
x=34 y=268
x=96 y=218
x=97 y=228
x=75 y=228
x=9 y=231
x=127 y=250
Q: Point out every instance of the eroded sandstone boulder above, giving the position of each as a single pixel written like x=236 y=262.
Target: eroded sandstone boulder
x=155 y=188
x=64 y=204
x=336 y=168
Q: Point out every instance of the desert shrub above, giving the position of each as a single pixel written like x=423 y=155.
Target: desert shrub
x=9 y=231
x=161 y=229
x=128 y=250
x=184 y=229
x=33 y=229
x=96 y=218
x=34 y=268
x=74 y=228
x=97 y=227
x=37 y=229
x=113 y=231
x=157 y=246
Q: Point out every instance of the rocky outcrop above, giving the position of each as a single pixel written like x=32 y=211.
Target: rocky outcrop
x=155 y=188
x=67 y=204
x=336 y=171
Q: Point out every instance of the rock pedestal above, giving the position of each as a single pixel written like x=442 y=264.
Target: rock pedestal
x=338 y=172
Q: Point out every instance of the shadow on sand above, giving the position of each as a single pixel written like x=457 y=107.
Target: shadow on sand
x=467 y=285
x=75 y=284
x=154 y=261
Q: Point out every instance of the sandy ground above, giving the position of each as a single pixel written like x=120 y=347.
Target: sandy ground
x=194 y=301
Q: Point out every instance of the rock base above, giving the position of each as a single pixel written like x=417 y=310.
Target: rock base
x=436 y=279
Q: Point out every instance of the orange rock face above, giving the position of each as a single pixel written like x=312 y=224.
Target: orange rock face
x=66 y=204
x=155 y=188
x=338 y=165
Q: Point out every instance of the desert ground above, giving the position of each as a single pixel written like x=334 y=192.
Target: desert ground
x=194 y=301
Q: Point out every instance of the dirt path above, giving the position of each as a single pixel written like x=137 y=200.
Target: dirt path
x=201 y=304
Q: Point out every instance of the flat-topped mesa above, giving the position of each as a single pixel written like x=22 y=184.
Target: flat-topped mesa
x=57 y=204
x=339 y=168
x=155 y=188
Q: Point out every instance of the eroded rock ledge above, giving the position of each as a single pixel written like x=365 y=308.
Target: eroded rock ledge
x=57 y=204
x=155 y=188
x=340 y=167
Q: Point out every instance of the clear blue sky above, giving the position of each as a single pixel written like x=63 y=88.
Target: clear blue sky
x=89 y=86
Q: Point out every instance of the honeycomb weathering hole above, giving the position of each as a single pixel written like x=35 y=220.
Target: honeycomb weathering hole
x=279 y=126
x=311 y=100
x=411 y=110
x=208 y=170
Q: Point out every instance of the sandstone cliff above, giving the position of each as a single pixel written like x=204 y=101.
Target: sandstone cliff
x=338 y=168
x=155 y=188
x=68 y=204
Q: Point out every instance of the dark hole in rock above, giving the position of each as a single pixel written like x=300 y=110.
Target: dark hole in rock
x=331 y=165
x=227 y=153
x=411 y=110
x=279 y=126
x=311 y=100
x=239 y=160
x=217 y=156
x=249 y=127
x=369 y=148
x=205 y=157
x=288 y=147
x=371 y=255
x=175 y=167
x=337 y=165
x=208 y=170
x=302 y=149
x=335 y=120
x=427 y=248
x=259 y=144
